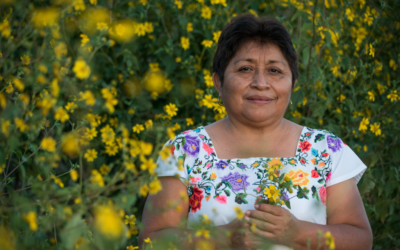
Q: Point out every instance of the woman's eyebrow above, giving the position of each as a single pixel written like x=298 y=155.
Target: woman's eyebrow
x=253 y=61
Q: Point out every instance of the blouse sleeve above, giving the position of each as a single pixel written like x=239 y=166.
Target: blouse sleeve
x=345 y=163
x=171 y=161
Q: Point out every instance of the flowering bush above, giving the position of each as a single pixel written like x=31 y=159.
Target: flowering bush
x=90 y=90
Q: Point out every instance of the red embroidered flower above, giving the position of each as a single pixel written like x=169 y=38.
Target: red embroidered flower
x=325 y=154
x=314 y=174
x=195 y=200
x=172 y=149
x=308 y=134
x=302 y=161
x=305 y=146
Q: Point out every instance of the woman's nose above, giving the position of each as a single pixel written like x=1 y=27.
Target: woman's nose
x=260 y=80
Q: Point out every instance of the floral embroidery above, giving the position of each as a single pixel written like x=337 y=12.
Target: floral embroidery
x=334 y=143
x=195 y=199
x=208 y=149
x=221 y=199
x=234 y=179
x=305 y=146
x=322 y=195
x=238 y=181
x=222 y=164
x=299 y=177
x=192 y=145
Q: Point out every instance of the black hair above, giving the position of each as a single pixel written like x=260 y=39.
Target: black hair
x=245 y=28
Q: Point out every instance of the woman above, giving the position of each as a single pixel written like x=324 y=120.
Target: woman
x=255 y=70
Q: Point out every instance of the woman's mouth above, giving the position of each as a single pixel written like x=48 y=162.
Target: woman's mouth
x=257 y=99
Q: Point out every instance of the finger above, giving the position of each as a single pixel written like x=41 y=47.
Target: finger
x=261 y=215
x=262 y=234
x=263 y=225
x=272 y=209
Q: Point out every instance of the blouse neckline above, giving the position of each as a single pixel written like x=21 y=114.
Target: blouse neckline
x=243 y=159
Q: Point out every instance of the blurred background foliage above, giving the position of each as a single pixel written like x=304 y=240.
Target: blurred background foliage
x=90 y=90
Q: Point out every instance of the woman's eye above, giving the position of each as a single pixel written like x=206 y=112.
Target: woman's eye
x=274 y=71
x=244 y=69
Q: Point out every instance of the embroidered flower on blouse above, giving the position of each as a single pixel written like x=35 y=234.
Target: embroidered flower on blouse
x=237 y=180
x=192 y=145
x=222 y=164
x=334 y=143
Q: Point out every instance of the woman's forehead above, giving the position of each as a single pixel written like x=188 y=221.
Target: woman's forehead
x=254 y=52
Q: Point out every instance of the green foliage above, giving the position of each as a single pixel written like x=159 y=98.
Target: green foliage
x=91 y=90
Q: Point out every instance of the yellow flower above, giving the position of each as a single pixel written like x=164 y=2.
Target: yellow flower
x=58 y=181
x=189 y=27
x=155 y=186
x=25 y=60
x=393 y=96
x=371 y=96
x=48 y=144
x=30 y=217
x=350 y=14
x=148 y=241
x=148 y=165
x=209 y=101
x=88 y=97
x=144 y=190
x=61 y=115
x=74 y=174
x=124 y=31
x=5 y=126
x=108 y=222
x=272 y=192
x=275 y=164
x=178 y=4
x=78 y=201
x=131 y=247
x=3 y=100
x=102 y=26
x=178 y=59
x=330 y=241
x=60 y=49
x=189 y=121
x=185 y=42
x=171 y=109
x=96 y=178
x=216 y=36
x=371 y=50
x=93 y=2
x=85 y=39
x=104 y=169
x=138 y=128
x=81 y=69
x=90 y=133
x=365 y=148
x=375 y=129
x=112 y=149
x=206 y=12
x=207 y=43
x=90 y=155
x=239 y=213
x=363 y=124
x=203 y=232
x=45 y=17
x=148 y=124
x=130 y=219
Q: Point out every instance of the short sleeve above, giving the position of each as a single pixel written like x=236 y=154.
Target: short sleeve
x=345 y=163
x=171 y=161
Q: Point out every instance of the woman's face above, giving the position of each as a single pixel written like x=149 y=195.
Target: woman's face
x=257 y=84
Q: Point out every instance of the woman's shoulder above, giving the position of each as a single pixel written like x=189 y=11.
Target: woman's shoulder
x=323 y=138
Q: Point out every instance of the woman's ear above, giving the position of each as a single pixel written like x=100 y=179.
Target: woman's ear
x=217 y=82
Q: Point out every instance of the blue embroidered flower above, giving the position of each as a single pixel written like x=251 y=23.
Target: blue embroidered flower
x=237 y=180
x=192 y=145
x=222 y=164
x=314 y=152
x=335 y=144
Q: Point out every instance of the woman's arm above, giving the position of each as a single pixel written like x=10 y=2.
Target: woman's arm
x=169 y=223
x=346 y=220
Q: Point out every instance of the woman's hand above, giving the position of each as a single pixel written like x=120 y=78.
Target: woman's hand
x=272 y=223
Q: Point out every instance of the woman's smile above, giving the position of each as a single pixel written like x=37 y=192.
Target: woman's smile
x=258 y=99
